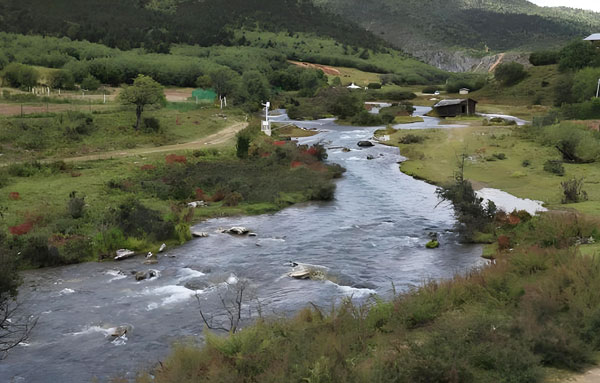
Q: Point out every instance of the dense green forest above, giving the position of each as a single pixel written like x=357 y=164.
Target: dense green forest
x=468 y=24
x=155 y=25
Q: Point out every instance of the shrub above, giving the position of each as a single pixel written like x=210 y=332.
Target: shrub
x=554 y=167
x=233 y=199
x=499 y=156
x=540 y=58
x=20 y=76
x=242 y=146
x=76 y=205
x=151 y=125
x=174 y=158
x=411 y=139
x=76 y=250
x=510 y=73
x=374 y=85
x=90 y=83
x=526 y=163
x=503 y=242
x=107 y=241
x=183 y=233
x=136 y=220
x=573 y=191
x=430 y=90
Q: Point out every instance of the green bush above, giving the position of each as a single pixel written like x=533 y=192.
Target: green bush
x=90 y=83
x=76 y=206
x=151 y=125
x=183 y=233
x=411 y=139
x=20 y=76
x=540 y=58
x=554 y=167
x=510 y=73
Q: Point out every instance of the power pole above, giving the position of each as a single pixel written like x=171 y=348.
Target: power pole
x=598 y=89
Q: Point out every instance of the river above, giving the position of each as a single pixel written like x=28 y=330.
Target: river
x=372 y=236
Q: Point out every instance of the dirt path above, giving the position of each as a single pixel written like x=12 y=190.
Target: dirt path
x=218 y=138
x=592 y=376
x=500 y=58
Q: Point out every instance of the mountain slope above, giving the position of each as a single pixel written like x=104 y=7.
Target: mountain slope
x=454 y=34
x=155 y=24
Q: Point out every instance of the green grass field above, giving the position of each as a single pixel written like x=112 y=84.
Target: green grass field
x=437 y=158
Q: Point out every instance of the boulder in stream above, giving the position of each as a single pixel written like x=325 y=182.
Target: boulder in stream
x=163 y=247
x=143 y=275
x=237 y=230
x=365 y=144
x=370 y=157
x=124 y=254
x=199 y=234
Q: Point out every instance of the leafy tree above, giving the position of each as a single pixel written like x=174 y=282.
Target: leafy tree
x=144 y=91
x=256 y=88
x=347 y=105
x=310 y=81
x=224 y=81
x=90 y=83
x=578 y=55
x=204 y=82
x=544 y=58
x=62 y=79
x=510 y=73
x=20 y=76
x=585 y=83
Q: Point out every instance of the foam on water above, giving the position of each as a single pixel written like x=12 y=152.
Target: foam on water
x=352 y=291
x=169 y=295
x=66 y=291
x=187 y=274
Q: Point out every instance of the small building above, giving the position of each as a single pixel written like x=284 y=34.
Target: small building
x=464 y=91
x=353 y=86
x=453 y=108
x=595 y=38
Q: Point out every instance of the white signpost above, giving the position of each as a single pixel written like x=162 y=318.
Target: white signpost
x=266 y=124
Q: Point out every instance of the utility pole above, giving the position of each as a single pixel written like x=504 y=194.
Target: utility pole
x=598 y=89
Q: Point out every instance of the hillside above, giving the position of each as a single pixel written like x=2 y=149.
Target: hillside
x=155 y=24
x=456 y=34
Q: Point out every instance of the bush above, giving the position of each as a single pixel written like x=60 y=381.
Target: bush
x=233 y=199
x=573 y=191
x=499 y=156
x=510 y=73
x=374 y=85
x=76 y=205
x=411 y=139
x=20 y=76
x=526 y=163
x=151 y=125
x=544 y=58
x=554 y=167
x=90 y=83
x=430 y=90
x=136 y=220
x=183 y=233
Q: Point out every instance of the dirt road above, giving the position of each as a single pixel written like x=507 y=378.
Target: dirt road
x=218 y=138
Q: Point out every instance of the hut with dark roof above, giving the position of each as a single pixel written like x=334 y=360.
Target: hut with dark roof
x=458 y=107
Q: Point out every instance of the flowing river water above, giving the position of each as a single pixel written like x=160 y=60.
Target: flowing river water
x=371 y=237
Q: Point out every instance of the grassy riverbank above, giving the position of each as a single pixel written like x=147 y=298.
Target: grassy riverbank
x=499 y=157
x=530 y=316
x=58 y=212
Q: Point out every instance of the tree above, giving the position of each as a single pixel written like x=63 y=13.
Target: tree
x=224 y=81
x=577 y=55
x=204 y=82
x=90 y=83
x=585 y=83
x=256 y=88
x=20 y=76
x=144 y=91
x=510 y=73
x=62 y=79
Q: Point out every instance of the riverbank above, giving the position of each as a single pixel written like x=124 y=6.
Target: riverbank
x=86 y=208
x=497 y=157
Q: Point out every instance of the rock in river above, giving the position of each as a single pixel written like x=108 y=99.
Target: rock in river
x=199 y=234
x=124 y=254
x=237 y=230
x=365 y=144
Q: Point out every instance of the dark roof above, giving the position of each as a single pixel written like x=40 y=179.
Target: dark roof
x=594 y=37
x=452 y=102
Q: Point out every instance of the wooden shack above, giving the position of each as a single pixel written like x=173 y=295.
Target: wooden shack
x=458 y=107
